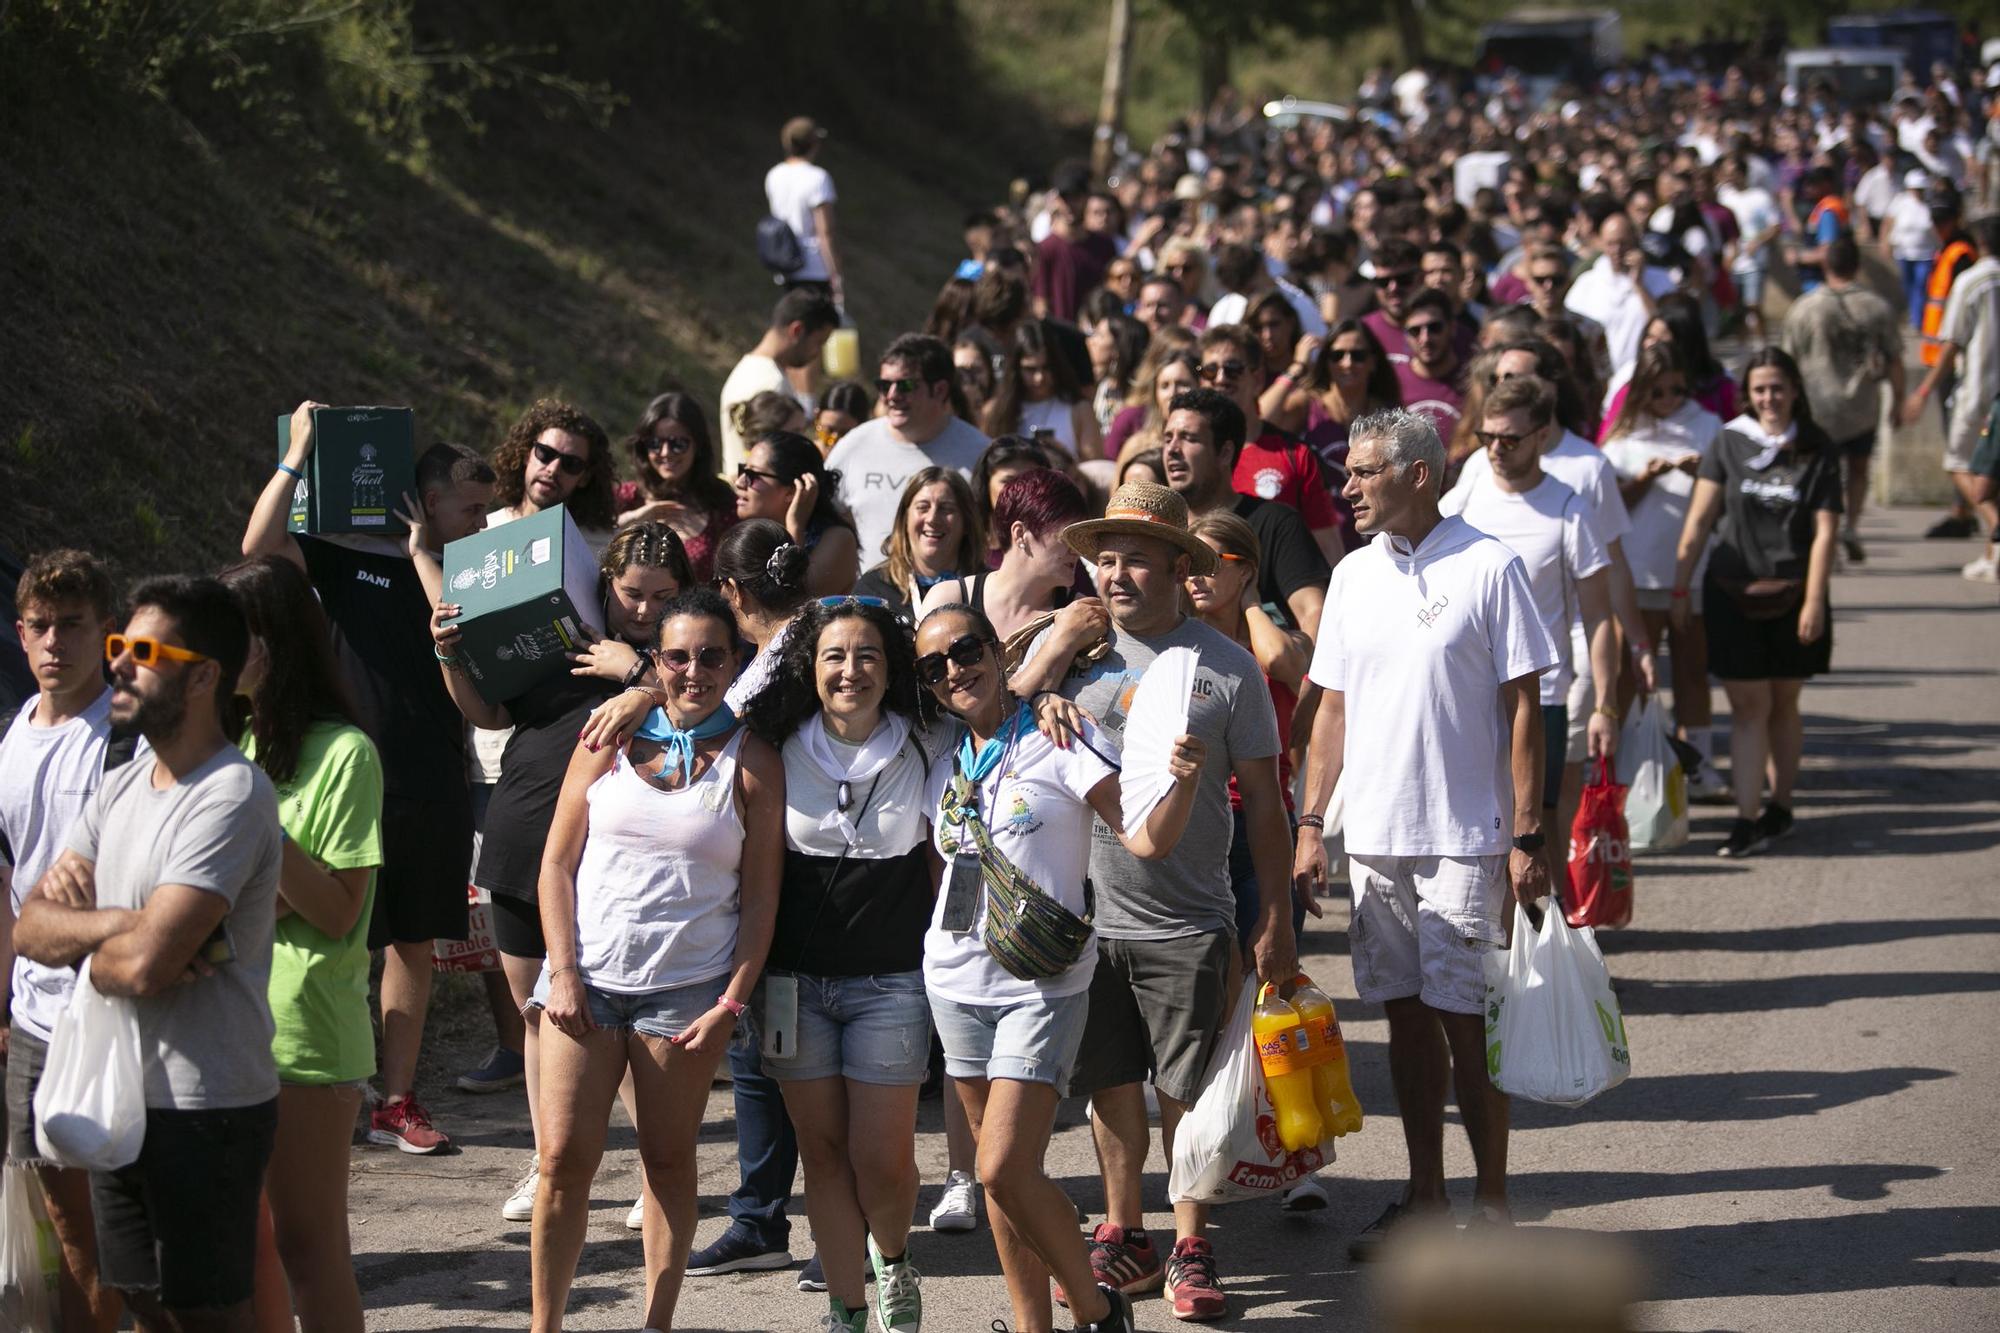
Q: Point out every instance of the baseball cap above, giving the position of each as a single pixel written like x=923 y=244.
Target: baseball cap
x=1916 y=180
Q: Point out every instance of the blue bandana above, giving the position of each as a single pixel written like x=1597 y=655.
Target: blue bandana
x=679 y=744
x=975 y=765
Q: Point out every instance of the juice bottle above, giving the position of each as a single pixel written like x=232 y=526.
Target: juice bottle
x=1281 y=1040
x=842 y=354
x=1333 y=1092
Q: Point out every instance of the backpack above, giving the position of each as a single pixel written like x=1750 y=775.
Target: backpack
x=778 y=247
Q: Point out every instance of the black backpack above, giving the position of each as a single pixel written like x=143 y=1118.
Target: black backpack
x=778 y=246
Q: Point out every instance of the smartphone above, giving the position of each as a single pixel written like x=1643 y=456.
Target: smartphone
x=961 y=895
x=780 y=1017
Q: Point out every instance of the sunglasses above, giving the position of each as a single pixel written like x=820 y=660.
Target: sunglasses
x=1498 y=439
x=147 y=652
x=1217 y=371
x=849 y=599
x=744 y=472
x=673 y=444
x=1428 y=329
x=570 y=464
x=966 y=650
x=1402 y=279
x=908 y=384
x=1545 y=279
x=1349 y=354
x=678 y=660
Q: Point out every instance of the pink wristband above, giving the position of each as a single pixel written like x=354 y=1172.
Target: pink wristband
x=735 y=1007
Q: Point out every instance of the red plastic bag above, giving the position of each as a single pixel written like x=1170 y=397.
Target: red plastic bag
x=1600 y=855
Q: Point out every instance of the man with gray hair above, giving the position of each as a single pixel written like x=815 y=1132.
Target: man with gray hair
x=1430 y=650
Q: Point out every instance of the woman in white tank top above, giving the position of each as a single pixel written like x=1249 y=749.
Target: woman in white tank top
x=659 y=887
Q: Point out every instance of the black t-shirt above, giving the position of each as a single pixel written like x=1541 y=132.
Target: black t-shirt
x=1292 y=559
x=546 y=721
x=380 y=621
x=867 y=920
x=1768 y=513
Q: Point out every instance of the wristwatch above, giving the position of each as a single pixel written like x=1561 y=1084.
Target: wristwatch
x=1530 y=842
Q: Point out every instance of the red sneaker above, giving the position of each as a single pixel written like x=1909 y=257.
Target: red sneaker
x=1192 y=1289
x=406 y=1125
x=1123 y=1260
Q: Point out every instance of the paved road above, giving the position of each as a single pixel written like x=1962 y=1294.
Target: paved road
x=1807 y=1142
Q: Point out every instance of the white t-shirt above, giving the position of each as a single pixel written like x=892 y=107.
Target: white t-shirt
x=1549 y=527
x=752 y=375
x=1420 y=642
x=1651 y=546
x=1036 y=805
x=1231 y=309
x=874 y=466
x=1610 y=298
x=1755 y=211
x=1573 y=462
x=46 y=776
x=1875 y=191
x=1911 y=233
x=794 y=190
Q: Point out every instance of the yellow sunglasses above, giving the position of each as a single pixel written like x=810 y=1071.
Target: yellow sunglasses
x=147 y=652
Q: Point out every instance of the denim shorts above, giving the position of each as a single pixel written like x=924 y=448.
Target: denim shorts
x=869 y=1029
x=653 y=1013
x=27 y=1059
x=1029 y=1041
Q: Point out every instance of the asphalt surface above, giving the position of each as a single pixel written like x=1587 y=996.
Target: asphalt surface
x=1807 y=1140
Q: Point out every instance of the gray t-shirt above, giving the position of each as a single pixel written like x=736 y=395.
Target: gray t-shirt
x=206 y=1042
x=1188 y=893
x=874 y=466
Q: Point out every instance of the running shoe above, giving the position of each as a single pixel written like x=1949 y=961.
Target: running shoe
x=1119 y=1320
x=1192 y=1290
x=899 y=1304
x=635 y=1218
x=1986 y=569
x=736 y=1251
x=503 y=1069
x=1745 y=839
x=812 y=1277
x=958 y=1210
x=403 y=1123
x=1775 y=822
x=1951 y=526
x=520 y=1205
x=1306 y=1196
x=1366 y=1247
x=1123 y=1260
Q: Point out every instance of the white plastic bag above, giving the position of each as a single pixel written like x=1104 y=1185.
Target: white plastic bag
x=90 y=1110
x=1554 y=1032
x=1656 y=803
x=1227 y=1145
x=29 y=1259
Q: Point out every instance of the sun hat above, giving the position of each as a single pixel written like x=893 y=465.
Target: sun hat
x=1141 y=509
x=1916 y=180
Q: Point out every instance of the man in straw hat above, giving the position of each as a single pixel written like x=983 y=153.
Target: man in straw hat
x=1166 y=929
x=1430 y=653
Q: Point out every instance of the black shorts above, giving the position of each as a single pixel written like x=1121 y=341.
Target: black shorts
x=1740 y=648
x=1156 y=1009
x=182 y=1220
x=426 y=857
x=517 y=927
x=1861 y=446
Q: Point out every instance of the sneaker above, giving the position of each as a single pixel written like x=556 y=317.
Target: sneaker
x=1851 y=546
x=1123 y=1260
x=1986 y=569
x=840 y=1319
x=503 y=1069
x=899 y=1304
x=635 y=1219
x=1192 y=1290
x=1951 y=526
x=1706 y=784
x=520 y=1205
x=1775 y=822
x=812 y=1277
x=1745 y=839
x=1118 y=1320
x=1366 y=1246
x=958 y=1210
x=1307 y=1196
x=406 y=1125
x=736 y=1251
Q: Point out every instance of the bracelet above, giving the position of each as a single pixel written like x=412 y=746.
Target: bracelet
x=291 y=471
x=451 y=662
x=569 y=967
x=735 y=1007
x=1606 y=711
x=1312 y=821
x=1678 y=593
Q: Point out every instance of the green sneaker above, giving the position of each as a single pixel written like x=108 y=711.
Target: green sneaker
x=899 y=1305
x=840 y=1319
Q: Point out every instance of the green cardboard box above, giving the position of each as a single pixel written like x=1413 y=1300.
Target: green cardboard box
x=529 y=591
x=363 y=461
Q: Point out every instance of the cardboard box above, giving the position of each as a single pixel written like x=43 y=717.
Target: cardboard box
x=528 y=589
x=363 y=462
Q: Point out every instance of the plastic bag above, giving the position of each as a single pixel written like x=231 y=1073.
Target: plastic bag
x=1656 y=799
x=1227 y=1145
x=90 y=1110
x=1600 y=858
x=1554 y=1032
x=30 y=1261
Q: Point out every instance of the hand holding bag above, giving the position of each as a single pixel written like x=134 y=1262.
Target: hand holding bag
x=90 y=1110
x=1554 y=1032
x=1656 y=805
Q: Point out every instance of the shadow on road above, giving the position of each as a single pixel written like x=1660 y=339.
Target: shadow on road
x=1760 y=995
x=1786 y=939
x=1900 y=1247
x=1764 y=1094
x=1534 y=1195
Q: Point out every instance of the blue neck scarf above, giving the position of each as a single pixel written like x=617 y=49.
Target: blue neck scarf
x=679 y=744
x=976 y=764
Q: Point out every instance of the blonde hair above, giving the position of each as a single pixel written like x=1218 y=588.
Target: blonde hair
x=1231 y=534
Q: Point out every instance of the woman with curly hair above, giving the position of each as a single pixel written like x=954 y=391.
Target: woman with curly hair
x=677 y=484
x=556 y=454
x=938 y=534
x=784 y=478
x=844 y=980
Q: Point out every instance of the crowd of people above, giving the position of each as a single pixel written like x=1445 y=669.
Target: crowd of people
x=1411 y=424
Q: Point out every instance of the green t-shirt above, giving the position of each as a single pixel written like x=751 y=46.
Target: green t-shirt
x=332 y=808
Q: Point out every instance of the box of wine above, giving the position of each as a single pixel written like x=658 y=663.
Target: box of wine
x=528 y=592
x=363 y=462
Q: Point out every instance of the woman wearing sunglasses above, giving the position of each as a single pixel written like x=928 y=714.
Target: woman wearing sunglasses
x=784 y=478
x=658 y=886
x=643 y=567
x=1011 y=803
x=845 y=1026
x=677 y=485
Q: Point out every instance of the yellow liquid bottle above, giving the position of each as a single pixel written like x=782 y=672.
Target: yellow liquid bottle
x=1333 y=1091
x=842 y=354
x=1280 y=1035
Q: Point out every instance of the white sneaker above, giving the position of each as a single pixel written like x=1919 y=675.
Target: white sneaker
x=1986 y=569
x=958 y=1210
x=1705 y=784
x=636 y=1219
x=1306 y=1196
x=520 y=1205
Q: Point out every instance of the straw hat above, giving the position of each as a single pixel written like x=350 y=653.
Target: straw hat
x=1141 y=509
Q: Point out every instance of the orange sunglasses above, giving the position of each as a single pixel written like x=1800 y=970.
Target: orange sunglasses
x=147 y=652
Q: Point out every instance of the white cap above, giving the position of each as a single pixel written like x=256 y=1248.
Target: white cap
x=1915 y=180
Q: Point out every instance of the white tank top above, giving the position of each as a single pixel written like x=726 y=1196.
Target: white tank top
x=656 y=890
x=1052 y=415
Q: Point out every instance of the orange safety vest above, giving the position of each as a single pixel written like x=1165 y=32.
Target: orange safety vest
x=1833 y=204
x=1943 y=269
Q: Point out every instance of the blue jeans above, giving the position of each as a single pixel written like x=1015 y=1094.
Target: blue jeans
x=1243 y=886
x=767 y=1152
x=1916 y=272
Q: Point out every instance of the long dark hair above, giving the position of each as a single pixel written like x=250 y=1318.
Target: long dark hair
x=791 y=695
x=1003 y=414
x=794 y=456
x=1776 y=358
x=1681 y=314
x=1384 y=389
x=702 y=485
x=301 y=683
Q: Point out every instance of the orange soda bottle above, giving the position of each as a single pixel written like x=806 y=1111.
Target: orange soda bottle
x=1278 y=1032
x=1333 y=1091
